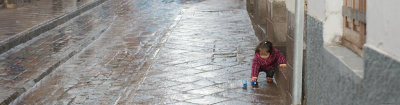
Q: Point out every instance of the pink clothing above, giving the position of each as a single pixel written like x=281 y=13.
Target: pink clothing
x=273 y=60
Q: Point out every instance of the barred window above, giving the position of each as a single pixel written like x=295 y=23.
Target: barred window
x=354 y=25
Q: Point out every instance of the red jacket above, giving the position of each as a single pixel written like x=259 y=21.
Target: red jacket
x=274 y=60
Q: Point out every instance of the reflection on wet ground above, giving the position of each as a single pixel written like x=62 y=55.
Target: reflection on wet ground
x=30 y=13
x=204 y=60
x=153 y=52
x=21 y=68
x=99 y=73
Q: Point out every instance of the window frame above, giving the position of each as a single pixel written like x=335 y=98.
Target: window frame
x=354 y=25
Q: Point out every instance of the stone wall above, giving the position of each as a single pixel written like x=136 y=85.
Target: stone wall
x=382 y=54
x=380 y=84
x=328 y=80
x=334 y=75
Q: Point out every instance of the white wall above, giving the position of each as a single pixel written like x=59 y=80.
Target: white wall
x=383 y=24
x=333 y=26
x=316 y=8
x=290 y=5
x=330 y=13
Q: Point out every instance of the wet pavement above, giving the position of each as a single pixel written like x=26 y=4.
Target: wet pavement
x=31 y=13
x=174 y=52
x=26 y=65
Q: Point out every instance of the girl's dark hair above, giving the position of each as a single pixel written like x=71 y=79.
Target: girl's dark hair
x=265 y=45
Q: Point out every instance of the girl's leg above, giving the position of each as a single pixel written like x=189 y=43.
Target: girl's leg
x=270 y=73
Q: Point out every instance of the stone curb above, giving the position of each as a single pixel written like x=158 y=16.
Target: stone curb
x=29 y=34
x=36 y=31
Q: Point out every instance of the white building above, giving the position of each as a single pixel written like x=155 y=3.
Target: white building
x=352 y=53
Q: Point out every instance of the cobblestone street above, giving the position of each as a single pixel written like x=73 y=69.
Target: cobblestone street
x=14 y=21
x=176 y=52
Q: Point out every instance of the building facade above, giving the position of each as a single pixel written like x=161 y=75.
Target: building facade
x=351 y=51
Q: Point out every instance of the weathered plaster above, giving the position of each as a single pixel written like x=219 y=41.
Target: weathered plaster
x=290 y=5
x=330 y=13
x=316 y=8
x=382 y=25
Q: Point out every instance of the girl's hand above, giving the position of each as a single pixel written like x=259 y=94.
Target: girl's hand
x=254 y=79
x=282 y=65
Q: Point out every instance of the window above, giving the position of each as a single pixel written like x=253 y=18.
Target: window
x=354 y=25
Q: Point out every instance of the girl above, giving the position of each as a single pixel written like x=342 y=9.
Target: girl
x=266 y=59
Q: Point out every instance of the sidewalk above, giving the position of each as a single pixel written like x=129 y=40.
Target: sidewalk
x=35 y=17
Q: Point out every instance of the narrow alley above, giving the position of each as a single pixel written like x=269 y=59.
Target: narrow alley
x=199 y=52
x=177 y=52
